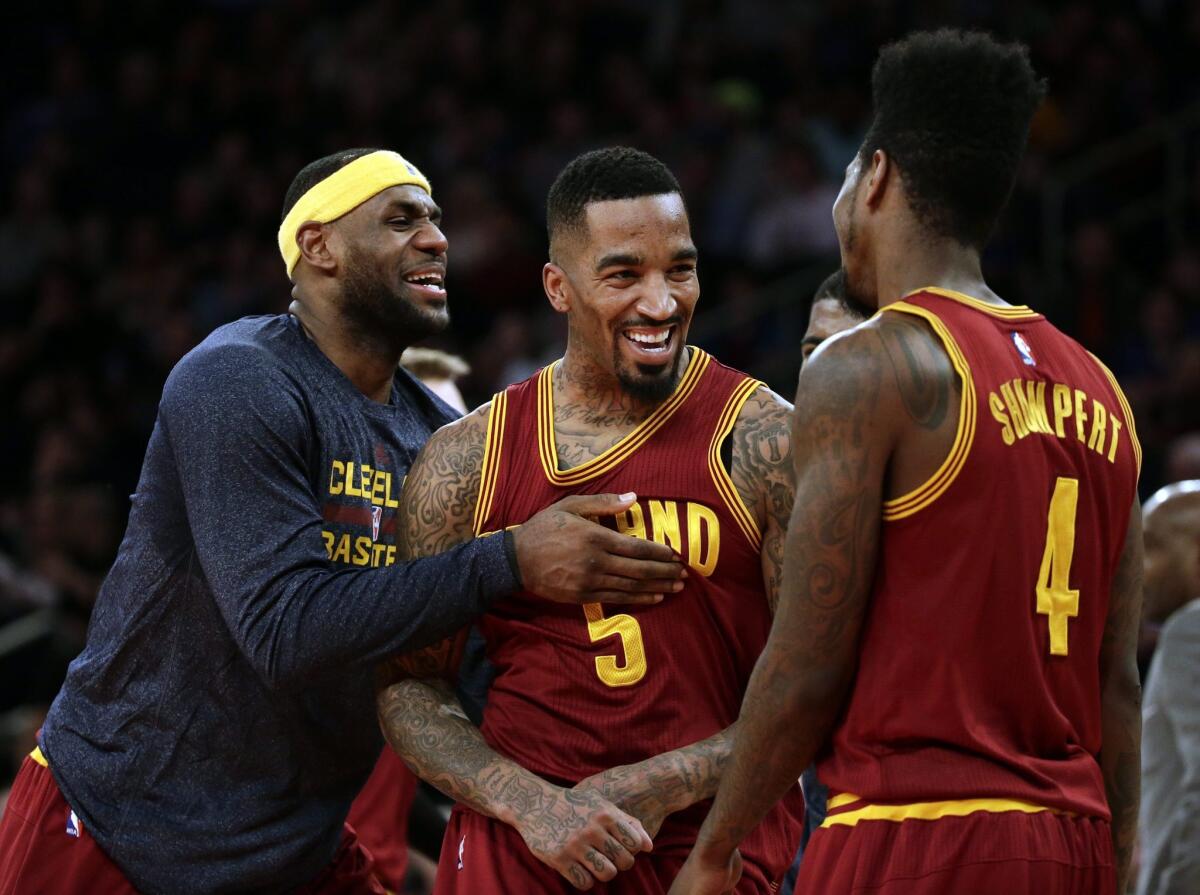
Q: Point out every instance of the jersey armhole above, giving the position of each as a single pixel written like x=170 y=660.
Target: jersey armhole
x=917 y=499
x=1125 y=409
x=492 y=447
x=741 y=513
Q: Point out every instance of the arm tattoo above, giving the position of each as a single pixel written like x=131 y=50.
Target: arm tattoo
x=668 y=782
x=437 y=504
x=761 y=470
x=921 y=367
x=843 y=431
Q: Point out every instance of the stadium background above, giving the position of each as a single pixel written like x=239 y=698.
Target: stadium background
x=147 y=147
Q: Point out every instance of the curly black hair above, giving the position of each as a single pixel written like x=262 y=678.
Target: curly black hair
x=952 y=110
x=618 y=172
x=314 y=172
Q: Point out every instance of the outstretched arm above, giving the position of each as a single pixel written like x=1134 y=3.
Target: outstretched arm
x=580 y=835
x=761 y=469
x=851 y=405
x=1121 y=697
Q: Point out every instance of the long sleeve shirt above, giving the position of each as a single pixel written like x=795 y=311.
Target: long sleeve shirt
x=1169 y=826
x=220 y=720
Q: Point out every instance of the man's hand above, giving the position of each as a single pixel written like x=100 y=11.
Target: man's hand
x=567 y=558
x=632 y=790
x=581 y=835
x=700 y=878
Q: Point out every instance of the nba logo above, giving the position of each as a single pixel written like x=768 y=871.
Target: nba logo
x=376 y=517
x=1024 y=350
x=74 y=824
x=462 y=844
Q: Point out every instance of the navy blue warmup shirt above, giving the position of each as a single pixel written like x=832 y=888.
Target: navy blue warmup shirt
x=221 y=718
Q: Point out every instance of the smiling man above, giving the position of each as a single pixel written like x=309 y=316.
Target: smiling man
x=604 y=729
x=212 y=734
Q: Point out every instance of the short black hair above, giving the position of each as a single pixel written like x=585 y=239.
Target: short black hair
x=314 y=172
x=618 y=172
x=952 y=110
x=833 y=288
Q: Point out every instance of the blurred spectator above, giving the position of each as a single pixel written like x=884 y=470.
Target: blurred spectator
x=1169 y=826
x=439 y=372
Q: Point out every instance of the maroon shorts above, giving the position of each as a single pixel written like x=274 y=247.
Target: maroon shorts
x=481 y=856
x=979 y=854
x=44 y=847
x=380 y=817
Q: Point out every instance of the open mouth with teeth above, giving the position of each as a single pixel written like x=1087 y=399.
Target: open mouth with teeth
x=649 y=344
x=429 y=283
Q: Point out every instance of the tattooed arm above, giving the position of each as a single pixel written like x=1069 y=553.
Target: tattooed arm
x=1120 y=698
x=853 y=403
x=761 y=470
x=762 y=473
x=580 y=835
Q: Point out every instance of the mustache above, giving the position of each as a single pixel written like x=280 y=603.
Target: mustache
x=673 y=320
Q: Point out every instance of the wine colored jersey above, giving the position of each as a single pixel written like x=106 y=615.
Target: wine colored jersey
x=582 y=689
x=979 y=660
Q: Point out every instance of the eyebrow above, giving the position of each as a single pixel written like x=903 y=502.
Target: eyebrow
x=624 y=259
x=416 y=209
x=618 y=260
x=811 y=340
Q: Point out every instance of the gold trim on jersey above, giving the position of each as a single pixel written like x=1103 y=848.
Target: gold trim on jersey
x=38 y=757
x=623 y=449
x=1125 y=409
x=925 y=810
x=493 y=444
x=936 y=485
x=720 y=475
x=1005 y=312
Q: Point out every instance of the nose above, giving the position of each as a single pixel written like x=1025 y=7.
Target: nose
x=431 y=239
x=655 y=300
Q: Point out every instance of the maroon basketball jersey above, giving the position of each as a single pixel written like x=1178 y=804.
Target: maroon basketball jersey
x=582 y=689
x=979 y=669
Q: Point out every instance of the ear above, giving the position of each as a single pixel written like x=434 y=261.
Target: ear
x=878 y=178
x=314 y=241
x=557 y=286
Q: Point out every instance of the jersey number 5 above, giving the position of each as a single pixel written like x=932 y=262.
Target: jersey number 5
x=1055 y=598
x=630 y=632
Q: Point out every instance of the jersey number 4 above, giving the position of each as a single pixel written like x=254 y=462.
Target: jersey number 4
x=627 y=628
x=1055 y=598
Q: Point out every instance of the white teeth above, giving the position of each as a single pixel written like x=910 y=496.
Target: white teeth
x=649 y=338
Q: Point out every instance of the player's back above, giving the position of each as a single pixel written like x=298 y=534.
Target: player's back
x=979 y=675
x=579 y=691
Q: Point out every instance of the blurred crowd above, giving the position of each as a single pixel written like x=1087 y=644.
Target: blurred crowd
x=146 y=152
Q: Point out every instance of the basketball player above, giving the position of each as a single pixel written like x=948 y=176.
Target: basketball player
x=960 y=604
x=602 y=730
x=217 y=725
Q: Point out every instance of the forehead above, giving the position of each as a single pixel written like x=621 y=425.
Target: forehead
x=636 y=224
x=830 y=317
x=407 y=197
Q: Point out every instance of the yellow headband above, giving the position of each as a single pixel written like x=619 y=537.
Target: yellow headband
x=343 y=191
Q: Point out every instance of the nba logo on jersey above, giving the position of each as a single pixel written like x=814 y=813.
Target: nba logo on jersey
x=74 y=824
x=1024 y=350
x=461 y=845
x=376 y=517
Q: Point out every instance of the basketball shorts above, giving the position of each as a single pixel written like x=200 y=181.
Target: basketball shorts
x=379 y=815
x=481 y=856
x=44 y=847
x=984 y=853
